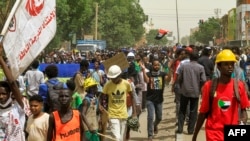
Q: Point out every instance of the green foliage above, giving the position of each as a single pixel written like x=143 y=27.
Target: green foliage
x=207 y=30
x=150 y=37
x=72 y=17
x=5 y=7
x=120 y=22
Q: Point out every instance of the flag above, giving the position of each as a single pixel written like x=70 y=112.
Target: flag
x=161 y=33
x=32 y=27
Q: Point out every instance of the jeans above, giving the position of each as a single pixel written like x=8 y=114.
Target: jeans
x=177 y=99
x=193 y=105
x=143 y=102
x=118 y=127
x=153 y=109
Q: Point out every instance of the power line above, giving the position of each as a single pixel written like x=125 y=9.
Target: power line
x=191 y=14
x=182 y=9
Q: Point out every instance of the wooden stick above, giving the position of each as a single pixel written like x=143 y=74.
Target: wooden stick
x=12 y=12
x=106 y=136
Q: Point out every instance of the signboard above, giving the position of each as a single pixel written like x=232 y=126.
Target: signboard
x=88 y=37
x=119 y=59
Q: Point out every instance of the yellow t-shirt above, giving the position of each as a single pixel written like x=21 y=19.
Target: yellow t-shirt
x=117 y=98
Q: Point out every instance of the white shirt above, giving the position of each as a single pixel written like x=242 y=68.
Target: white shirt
x=12 y=121
x=33 y=79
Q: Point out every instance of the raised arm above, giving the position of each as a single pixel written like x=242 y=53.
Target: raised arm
x=145 y=76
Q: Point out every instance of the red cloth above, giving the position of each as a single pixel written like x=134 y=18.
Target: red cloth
x=224 y=108
x=175 y=65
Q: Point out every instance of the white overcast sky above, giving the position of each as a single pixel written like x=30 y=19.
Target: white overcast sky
x=163 y=12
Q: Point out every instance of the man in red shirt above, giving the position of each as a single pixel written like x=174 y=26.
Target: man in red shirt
x=222 y=108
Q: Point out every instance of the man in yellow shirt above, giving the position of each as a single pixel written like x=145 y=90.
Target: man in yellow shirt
x=117 y=89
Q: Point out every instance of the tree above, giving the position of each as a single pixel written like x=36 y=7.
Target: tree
x=207 y=31
x=150 y=37
x=121 y=22
x=6 y=6
x=72 y=17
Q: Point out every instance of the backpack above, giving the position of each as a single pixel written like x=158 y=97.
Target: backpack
x=242 y=63
x=52 y=97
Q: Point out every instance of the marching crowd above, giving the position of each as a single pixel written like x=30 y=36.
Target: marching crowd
x=83 y=107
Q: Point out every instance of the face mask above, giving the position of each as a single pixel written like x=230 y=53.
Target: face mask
x=7 y=102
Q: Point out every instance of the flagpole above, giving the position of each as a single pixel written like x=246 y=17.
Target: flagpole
x=3 y=64
x=7 y=23
x=177 y=22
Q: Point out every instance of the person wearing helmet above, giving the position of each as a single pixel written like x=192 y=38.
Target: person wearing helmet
x=133 y=68
x=221 y=101
x=117 y=89
x=89 y=107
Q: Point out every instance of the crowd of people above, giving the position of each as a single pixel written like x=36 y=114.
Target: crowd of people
x=83 y=107
x=220 y=77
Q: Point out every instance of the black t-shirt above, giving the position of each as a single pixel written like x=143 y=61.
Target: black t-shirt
x=208 y=66
x=156 y=87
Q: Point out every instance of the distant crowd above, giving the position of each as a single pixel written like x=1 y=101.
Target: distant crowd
x=83 y=106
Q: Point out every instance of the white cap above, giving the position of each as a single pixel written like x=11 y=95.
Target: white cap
x=114 y=71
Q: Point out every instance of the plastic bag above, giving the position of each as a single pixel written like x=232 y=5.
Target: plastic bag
x=92 y=136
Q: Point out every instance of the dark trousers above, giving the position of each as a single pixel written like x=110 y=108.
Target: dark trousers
x=193 y=103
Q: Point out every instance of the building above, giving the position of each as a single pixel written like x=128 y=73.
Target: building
x=242 y=34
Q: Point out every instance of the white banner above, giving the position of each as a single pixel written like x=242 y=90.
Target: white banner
x=31 y=29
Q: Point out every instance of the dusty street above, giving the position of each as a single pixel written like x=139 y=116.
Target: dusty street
x=167 y=127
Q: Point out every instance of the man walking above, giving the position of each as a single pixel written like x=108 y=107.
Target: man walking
x=33 y=78
x=155 y=80
x=66 y=124
x=117 y=90
x=222 y=98
x=191 y=77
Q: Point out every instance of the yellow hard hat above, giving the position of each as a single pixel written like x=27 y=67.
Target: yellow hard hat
x=89 y=82
x=225 y=55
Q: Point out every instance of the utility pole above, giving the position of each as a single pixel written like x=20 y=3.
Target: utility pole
x=96 y=20
x=217 y=12
x=246 y=28
x=177 y=22
x=151 y=25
